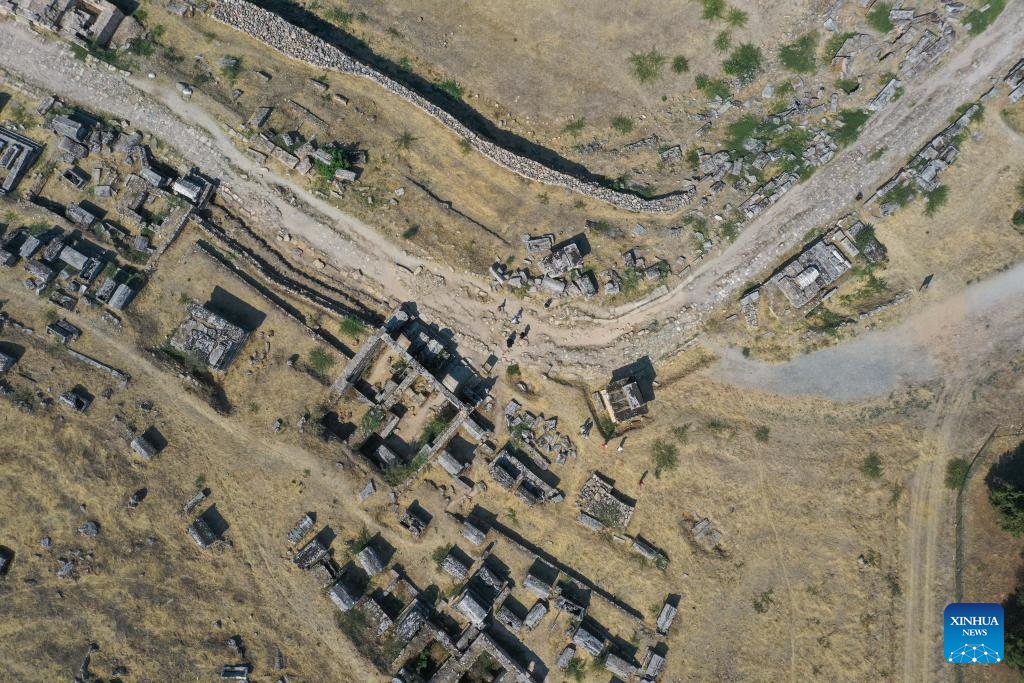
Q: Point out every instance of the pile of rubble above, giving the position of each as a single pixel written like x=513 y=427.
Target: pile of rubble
x=922 y=172
x=538 y=434
x=558 y=266
x=601 y=505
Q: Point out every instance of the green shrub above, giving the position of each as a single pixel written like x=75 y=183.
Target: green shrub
x=647 y=66
x=680 y=64
x=233 y=68
x=901 y=195
x=878 y=17
x=744 y=63
x=872 y=466
x=410 y=232
x=722 y=41
x=465 y=145
x=935 y=200
x=737 y=18
x=1008 y=503
x=405 y=140
x=762 y=433
x=575 y=126
x=850 y=123
x=713 y=9
x=438 y=554
x=848 y=85
x=320 y=360
x=451 y=89
x=351 y=327
x=513 y=370
x=372 y=420
x=956 y=472
x=835 y=43
x=798 y=56
x=712 y=87
x=622 y=125
x=740 y=131
x=682 y=433
x=1018 y=217
x=666 y=457
x=338 y=16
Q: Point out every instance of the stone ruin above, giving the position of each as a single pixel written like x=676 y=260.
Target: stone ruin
x=208 y=337
x=601 y=503
x=81 y=21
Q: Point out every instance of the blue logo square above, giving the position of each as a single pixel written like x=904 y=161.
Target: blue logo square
x=973 y=633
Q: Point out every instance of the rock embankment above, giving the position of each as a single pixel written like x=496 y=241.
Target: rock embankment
x=299 y=44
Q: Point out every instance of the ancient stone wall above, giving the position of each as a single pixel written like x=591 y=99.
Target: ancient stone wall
x=299 y=44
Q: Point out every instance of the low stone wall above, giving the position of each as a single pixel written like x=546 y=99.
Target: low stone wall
x=299 y=44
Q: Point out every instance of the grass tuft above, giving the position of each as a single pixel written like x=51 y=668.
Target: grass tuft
x=647 y=66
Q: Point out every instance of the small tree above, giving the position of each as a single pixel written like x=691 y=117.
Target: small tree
x=647 y=66
x=956 y=472
x=439 y=553
x=320 y=360
x=872 y=466
x=666 y=457
x=1008 y=502
x=744 y=63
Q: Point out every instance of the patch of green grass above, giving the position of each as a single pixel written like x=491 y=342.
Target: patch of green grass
x=339 y=160
x=1018 y=217
x=399 y=473
x=835 y=43
x=798 y=56
x=935 y=200
x=693 y=158
x=712 y=87
x=901 y=195
x=737 y=18
x=680 y=64
x=740 y=131
x=601 y=227
x=850 y=123
x=878 y=17
x=394 y=32
x=877 y=154
x=956 y=472
x=576 y=669
x=981 y=20
x=622 y=125
x=682 y=433
x=762 y=433
x=405 y=140
x=410 y=232
x=233 y=69
x=744 y=62
x=575 y=126
x=712 y=9
x=338 y=16
x=716 y=426
x=666 y=457
x=848 y=85
x=513 y=370
x=827 y=321
x=438 y=554
x=451 y=89
x=320 y=360
x=872 y=466
x=351 y=327
x=722 y=41
x=432 y=430
x=142 y=47
x=647 y=66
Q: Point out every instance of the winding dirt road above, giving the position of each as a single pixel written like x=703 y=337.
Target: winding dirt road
x=590 y=341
